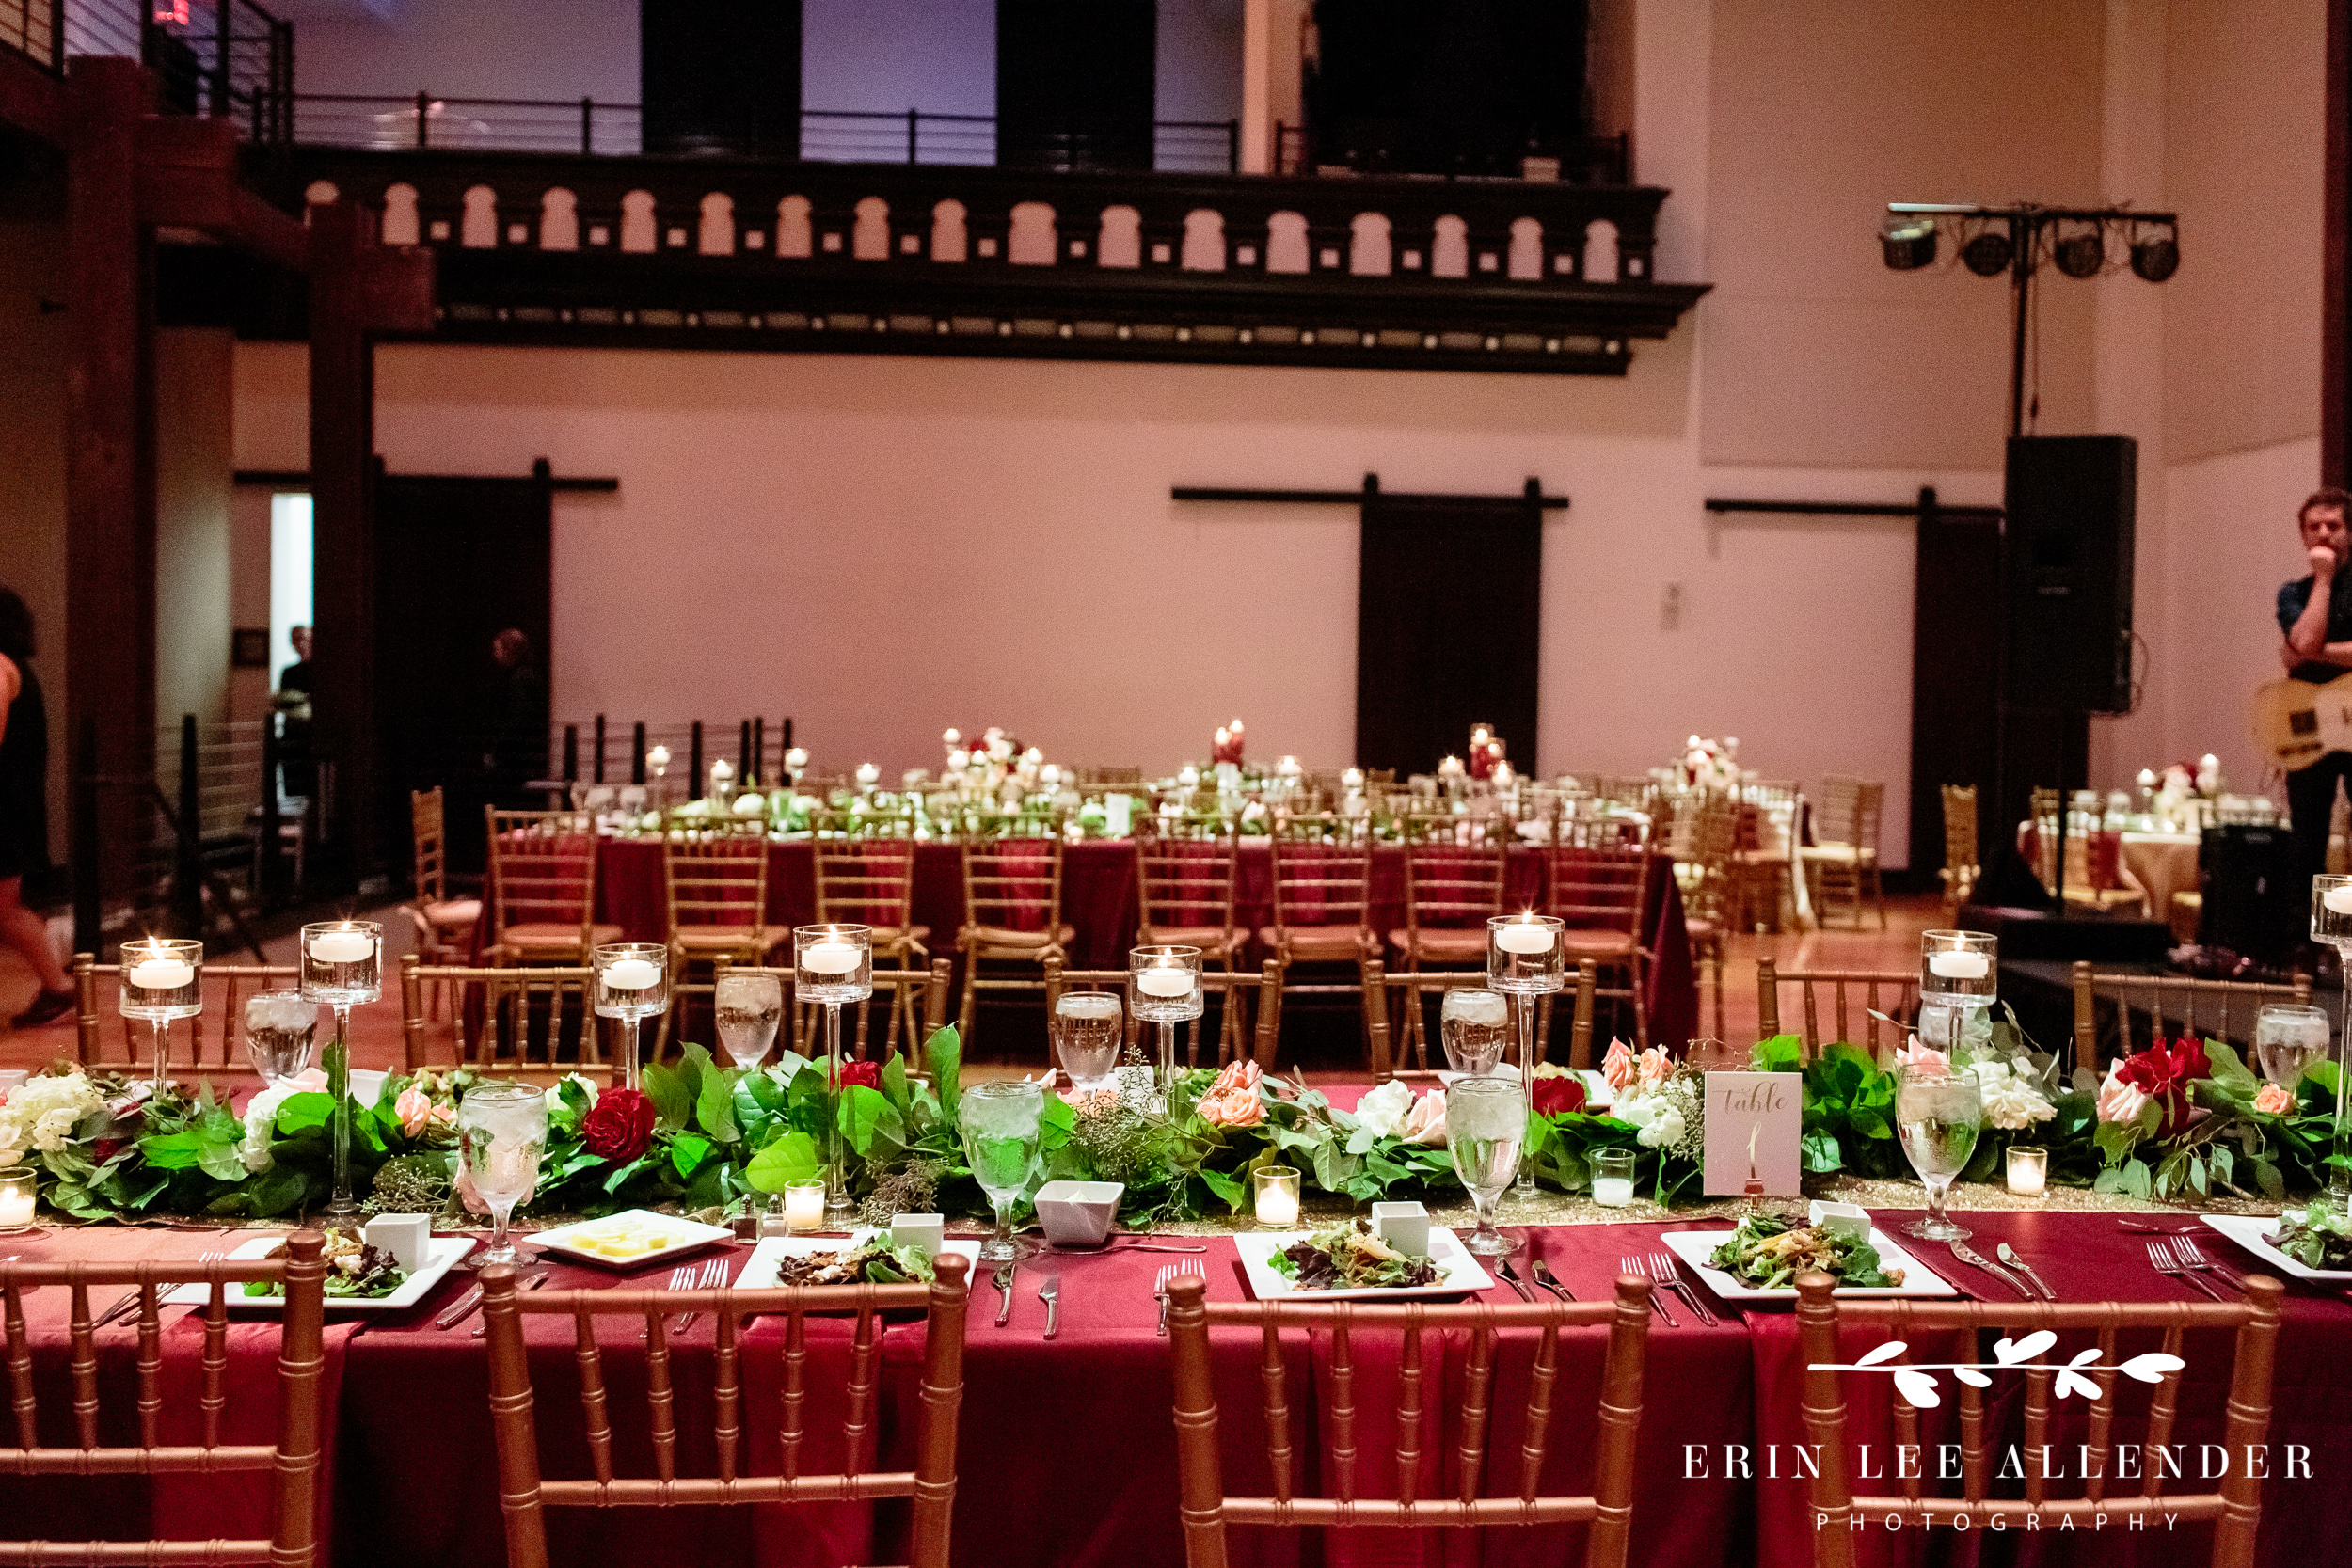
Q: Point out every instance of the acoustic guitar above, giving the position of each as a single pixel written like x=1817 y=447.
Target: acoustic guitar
x=2296 y=722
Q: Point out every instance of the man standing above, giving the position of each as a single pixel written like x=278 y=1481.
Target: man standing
x=295 y=764
x=518 y=734
x=2315 y=613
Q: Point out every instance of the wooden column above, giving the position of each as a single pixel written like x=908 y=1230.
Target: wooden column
x=110 y=453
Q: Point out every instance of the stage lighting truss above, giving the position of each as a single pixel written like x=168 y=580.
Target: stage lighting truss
x=2075 y=241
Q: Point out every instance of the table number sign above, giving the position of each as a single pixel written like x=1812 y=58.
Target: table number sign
x=1758 y=1112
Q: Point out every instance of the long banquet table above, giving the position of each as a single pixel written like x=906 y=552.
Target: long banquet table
x=1067 y=1452
x=1099 y=899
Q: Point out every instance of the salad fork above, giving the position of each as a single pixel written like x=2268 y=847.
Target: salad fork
x=680 y=1278
x=2160 y=1258
x=1160 y=1284
x=1657 y=1298
x=1662 y=1269
x=712 y=1275
x=2185 y=1248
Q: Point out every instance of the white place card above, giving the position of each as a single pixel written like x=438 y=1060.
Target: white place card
x=1762 y=1112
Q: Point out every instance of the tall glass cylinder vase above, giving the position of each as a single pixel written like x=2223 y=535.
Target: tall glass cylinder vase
x=1959 y=977
x=162 y=980
x=834 y=964
x=2331 y=924
x=1523 y=963
x=633 y=985
x=343 y=963
x=1164 y=988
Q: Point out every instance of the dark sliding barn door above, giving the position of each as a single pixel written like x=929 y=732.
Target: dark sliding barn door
x=1448 y=627
x=458 y=560
x=1954 y=674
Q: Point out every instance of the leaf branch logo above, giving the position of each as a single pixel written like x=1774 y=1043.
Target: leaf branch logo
x=1917 y=1386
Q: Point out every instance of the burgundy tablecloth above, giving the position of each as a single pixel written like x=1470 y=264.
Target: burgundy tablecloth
x=1099 y=899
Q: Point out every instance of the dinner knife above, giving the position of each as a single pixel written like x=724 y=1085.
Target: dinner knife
x=1004 y=1294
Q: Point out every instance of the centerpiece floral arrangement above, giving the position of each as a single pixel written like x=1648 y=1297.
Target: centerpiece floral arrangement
x=1707 y=763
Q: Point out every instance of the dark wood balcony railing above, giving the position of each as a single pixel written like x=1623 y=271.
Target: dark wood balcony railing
x=933 y=258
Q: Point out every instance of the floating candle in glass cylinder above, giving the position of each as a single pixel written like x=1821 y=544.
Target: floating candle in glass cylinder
x=160 y=974
x=16 y=1198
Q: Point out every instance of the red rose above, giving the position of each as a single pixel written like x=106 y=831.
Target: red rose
x=2163 y=1073
x=619 y=1126
x=865 y=1075
x=1558 y=1097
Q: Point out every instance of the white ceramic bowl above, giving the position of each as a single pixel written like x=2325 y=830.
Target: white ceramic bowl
x=1078 y=1213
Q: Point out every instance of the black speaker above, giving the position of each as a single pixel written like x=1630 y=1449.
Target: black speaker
x=2252 y=904
x=2066 y=573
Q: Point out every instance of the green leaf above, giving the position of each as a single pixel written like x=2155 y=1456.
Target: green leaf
x=790 y=1158
x=893 y=1082
x=1781 y=1053
x=220 y=1161
x=1057 y=1122
x=714 y=1107
x=2267 y=1178
x=2227 y=1071
x=867 y=1118
x=667 y=1089
x=303 y=1112
x=174 y=1150
x=1228 y=1189
x=2137 y=1180
x=688 y=1151
x=945 y=1052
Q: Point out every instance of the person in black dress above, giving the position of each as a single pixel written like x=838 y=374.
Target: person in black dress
x=24 y=811
x=296 y=768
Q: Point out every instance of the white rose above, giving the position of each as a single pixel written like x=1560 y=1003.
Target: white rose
x=260 y=1117
x=1384 y=1110
x=1666 y=1127
x=53 y=1128
x=555 y=1090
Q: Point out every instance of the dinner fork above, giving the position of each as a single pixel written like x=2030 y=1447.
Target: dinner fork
x=679 y=1279
x=1663 y=1268
x=2160 y=1257
x=713 y=1276
x=1657 y=1298
x=1160 y=1283
x=2185 y=1248
x=130 y=1298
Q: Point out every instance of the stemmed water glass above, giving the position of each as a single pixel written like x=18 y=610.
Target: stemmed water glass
x=162 y=980
x=632 y=984
x=280 y=1029
x=1485 y=1127
x=2331 y=924
x=501 y=1132
x=748 y=1005
x=1000 y=1142
x=1523 y=963
x=1938 y=1116
x=834 y=964
x=1164 y=985
x=1473 y=1026
x=2288 y=1039
x=343 y=963
x=1086 y=1029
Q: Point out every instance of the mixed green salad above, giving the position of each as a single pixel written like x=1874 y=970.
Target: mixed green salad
x=352 y=1269
x=2318 y=1238
x=1352 y=1257
x=1769 y=1251
x=868 y=1259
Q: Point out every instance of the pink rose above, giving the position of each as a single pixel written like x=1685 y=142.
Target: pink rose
x=2274 y=1100
x=2118 y=1100
x=310 y=1081
x=1924 y=1060
x=1618 y=1066
x=1653 y=1067
x=466 y=1194
x=1232 y=1099
x=417 y=1111
x=1425 y=1123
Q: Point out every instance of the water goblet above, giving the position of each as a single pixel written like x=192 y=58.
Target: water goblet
x=1164 y=988
x=1085 y=1031
x=343 y=963
x=749 y=1005
x=2288 y=1039
x=162 y=980
x=834 y=964
x=1000 y=1142
x=501 y=1133
x=632 y=984
x=1485 y=1125
x=1938 y=1116
x=2331 y=927
x=280 y=1029
x=1474 y=1027
x=1523 y=962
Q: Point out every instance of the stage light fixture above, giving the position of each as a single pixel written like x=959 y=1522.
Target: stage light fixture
x=2083 y=253
x=2156 y=256
x=1909 y=240
x=1989 y=254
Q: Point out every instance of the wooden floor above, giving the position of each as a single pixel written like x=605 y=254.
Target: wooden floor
x=376 y=1038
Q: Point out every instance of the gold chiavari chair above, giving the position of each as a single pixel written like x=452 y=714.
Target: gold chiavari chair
x=2079 y=870
x=1323 y=904
x=1706 y=826
x=1597 y=885
x=525 y=1491
x=1893 y=994
x=1230 y=990
x=2112 y=1009
x=2235 y=1508
x=131 y=1048
x=292 y=1461
x=1389 y=991
x=1764 y=851
x=444 y=926
x=1963 y=860
x=1843 y=862
x=543 y=887
x=1011 y=914
x=527 y=1021
x=1454 y=878
x=1426 y=1428
x=715 y=879
x=1109 y=778
x=1184 y=877
x=866 y=876
x=915 y=1002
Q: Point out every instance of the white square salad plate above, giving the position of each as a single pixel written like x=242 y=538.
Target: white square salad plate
x=1460 y=1272
x=672 y=1236
x=759 y=1271
x=1695 y=1246
x=2252 y=1232
x=441 y=1253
